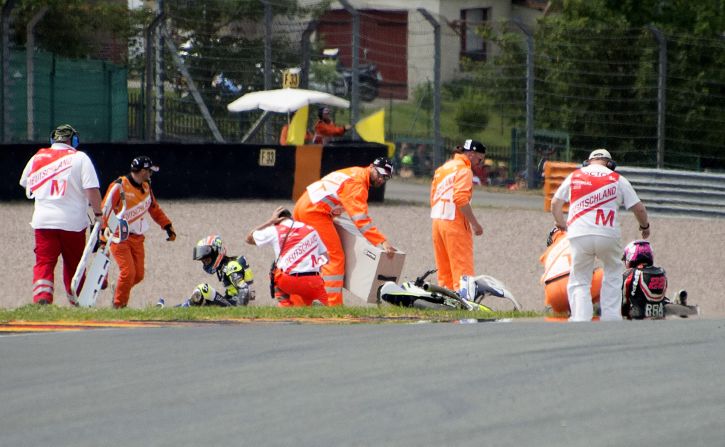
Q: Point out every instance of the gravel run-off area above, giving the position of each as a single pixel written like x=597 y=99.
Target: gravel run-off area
x=690 y=249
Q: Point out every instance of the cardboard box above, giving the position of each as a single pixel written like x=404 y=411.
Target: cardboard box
x=367 y=267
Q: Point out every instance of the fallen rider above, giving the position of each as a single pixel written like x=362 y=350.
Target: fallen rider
x=234 y=273
x=644 y=287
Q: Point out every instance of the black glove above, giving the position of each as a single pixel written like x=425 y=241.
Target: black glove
x=100 y=243
x=170 y=232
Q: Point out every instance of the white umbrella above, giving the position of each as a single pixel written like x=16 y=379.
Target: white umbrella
x=284 y=100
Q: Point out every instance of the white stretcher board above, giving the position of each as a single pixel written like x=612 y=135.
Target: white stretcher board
x=367 y=267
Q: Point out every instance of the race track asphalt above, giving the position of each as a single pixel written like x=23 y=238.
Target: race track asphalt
x=493 y=384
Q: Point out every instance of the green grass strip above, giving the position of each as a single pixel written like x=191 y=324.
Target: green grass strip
x=383 y=313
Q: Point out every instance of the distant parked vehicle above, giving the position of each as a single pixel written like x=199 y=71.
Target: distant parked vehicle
x=329 y=75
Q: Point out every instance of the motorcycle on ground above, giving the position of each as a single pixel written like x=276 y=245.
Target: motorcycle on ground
x=423 y=294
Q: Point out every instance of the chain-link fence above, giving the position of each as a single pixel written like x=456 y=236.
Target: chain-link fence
x=532 y=90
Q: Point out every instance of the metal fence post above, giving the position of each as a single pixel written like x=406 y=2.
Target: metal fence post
x=267 y=59
x=305 y=50
x=355 y=91
x=661 y=94
x=438 y=156
x=530 y=181
x=30 y=70
x=149 y=76
x=160 y=91
x=5 y=103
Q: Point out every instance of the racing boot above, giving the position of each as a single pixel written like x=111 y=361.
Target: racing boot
x=681 y=297
x=469 y=288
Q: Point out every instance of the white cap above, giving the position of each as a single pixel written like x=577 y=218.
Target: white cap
x=599 y=153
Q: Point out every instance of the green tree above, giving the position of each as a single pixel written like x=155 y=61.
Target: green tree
x=72 y=28
x=596 y=76
x=225 y=37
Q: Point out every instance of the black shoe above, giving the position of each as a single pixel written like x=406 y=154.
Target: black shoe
x=42 y=302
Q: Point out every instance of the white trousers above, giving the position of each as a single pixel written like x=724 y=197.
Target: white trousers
x=584 y=250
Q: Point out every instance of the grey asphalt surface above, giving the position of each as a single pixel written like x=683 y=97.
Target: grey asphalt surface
x=419 y=193
x=493 y=384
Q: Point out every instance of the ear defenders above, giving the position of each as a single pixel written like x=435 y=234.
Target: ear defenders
x=610 y=164
x=74 y=140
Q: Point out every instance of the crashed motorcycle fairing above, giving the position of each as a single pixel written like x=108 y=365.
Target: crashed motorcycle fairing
x=424 y=295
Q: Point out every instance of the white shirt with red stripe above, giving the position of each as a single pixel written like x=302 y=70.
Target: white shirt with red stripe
x=558 y=261
x=595 y=194
x=302 y=248
x=57 y=177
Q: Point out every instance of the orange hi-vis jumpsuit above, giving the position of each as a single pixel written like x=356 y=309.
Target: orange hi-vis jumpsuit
x=452 y=187
x=325 y=131
x=343 y=190
x=129 y=254
x=557 y=265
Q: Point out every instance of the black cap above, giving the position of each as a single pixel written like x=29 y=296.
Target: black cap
x=475 y=146
x=321 y=111
x=143 y=162
x=384 y=166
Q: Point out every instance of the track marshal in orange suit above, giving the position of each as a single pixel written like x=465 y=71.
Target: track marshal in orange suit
x=454 y=223
x=341 y=191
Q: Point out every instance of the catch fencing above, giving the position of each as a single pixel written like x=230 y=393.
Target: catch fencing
x=499 y=71
x=663 y=191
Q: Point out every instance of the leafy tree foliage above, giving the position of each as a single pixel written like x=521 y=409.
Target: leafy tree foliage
x=226 y=38
x=596 y=67
x=72 y=28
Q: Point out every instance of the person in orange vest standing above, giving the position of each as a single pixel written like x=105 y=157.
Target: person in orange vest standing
x=557 y=266
x=140 y=203
x=595 y=192
x=299 y=253
x=325 y=129
x=62 y=181
x=341 y=191
x=452 y=215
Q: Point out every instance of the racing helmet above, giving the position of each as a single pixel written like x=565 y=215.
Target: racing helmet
x=212 y=247
x=638 y=252
x=384 y=166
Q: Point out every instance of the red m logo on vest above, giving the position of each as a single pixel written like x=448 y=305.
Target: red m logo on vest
x=601 y=219
x=57 y=188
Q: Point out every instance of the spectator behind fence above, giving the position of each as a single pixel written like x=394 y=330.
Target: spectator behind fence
x=406 y=160
x=422 y=161
x=62 y=181
x=325 y=129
